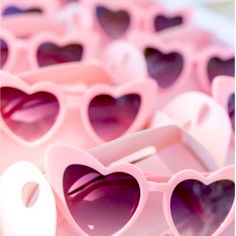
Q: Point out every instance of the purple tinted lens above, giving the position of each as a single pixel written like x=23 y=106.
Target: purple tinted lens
x=200 y=209
x=50 y=54
x=101 y=205
x=15 y=11
x=216 y=67
x=231 y=109
x=114 y=24
x=111 y=117
x=28 y=116
x=4 y=52
x=164 y=68
x=162 y=22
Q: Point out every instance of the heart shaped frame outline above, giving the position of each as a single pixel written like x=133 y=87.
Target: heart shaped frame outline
x=155 y=10
x=142 y=41
x=82 y=100
x=30 y=46
x=8 y=80
x=147 y=184
x=121 y=5
x=226 y=173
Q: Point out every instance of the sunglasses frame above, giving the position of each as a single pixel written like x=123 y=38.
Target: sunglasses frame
x=152 y=184
x=154 y=10
x=143 y=41
x=30 y=46
x=80 y=100
x=121 y=5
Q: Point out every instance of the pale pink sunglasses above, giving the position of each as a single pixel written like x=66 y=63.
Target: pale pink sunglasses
x=107 y=200
x=116 y=19
x=171 y=62
x=32 y=110
x=44 y=49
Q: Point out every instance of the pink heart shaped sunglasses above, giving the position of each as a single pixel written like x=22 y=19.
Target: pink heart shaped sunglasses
x=32 y=110
x=107 y=200
x=45 y=49
x=184 y=61
x=116 y=19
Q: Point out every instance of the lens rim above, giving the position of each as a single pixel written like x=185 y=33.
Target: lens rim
x=77 y=156
x=14 y=83
x=222 y=174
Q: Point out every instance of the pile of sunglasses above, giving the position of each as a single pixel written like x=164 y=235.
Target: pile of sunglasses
x=117 y=118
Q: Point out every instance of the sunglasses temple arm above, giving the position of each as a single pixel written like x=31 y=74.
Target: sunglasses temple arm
x=136 y=156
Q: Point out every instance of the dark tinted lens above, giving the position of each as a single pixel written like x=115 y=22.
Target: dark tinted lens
x=162 y=22
x=200 y=209
x=15 y=11
x=114 y=24
x=101 y=205
x=216 y=67
x=4 y=52
x=164 y=68
x=28 y=116
x=231 y=109
x=50 y=54
x=111 y=117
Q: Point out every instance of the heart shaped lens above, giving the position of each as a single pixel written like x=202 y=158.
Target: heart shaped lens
x=4 y=52
x=217 y=66
x=162 y=22
x=51 y=54
x=199 y=209
x=100 y=204
x=12 y=10
x=164 y=68
x=231 y=109
x=111 y=117
x=114 y=24
x=28 y=116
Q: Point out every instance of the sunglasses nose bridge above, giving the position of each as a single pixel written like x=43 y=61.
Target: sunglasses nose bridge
x=22 y=44
x=73 y=101
x=157 y=187
x=74 y=94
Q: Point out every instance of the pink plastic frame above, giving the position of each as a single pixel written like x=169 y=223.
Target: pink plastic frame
x=143 y=41
x=55 y=171
x=29 y=47
x=154 y=10
x=203 y=58
x=77 y=97
x=126 y=5
x=189 y=35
